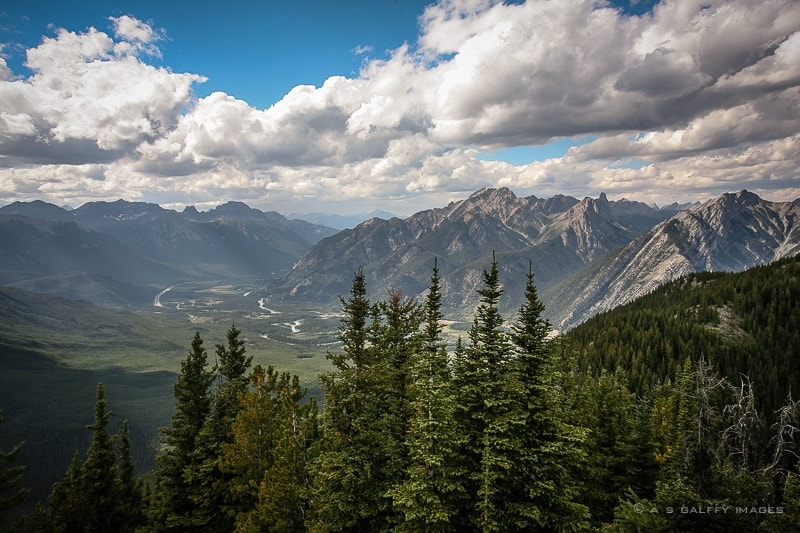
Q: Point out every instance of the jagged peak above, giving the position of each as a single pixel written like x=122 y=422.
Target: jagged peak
x=486 y=193
x=728 y=204
x=744 y=197
x=598 y=205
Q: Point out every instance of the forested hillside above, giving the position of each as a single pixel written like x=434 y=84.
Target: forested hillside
x=747 y=324
x=672 y=414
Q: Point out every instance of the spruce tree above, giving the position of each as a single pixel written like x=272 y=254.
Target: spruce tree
x=487 y=413
x=431 y=494
x=99 y=481
x=208 y=485
x=394 y=337
x=274 y=437
x=171 y=508
x=546 y=450
x=349 y=490
x=66 y=506
x=11 y=494
x=130 y=502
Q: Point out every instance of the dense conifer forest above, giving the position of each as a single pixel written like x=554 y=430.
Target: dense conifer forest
x=674 y=413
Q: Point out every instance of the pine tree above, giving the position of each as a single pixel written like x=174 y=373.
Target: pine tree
x=255 y=436
x=486 y=412
x=99 y=482
x=431 y=495
x=546 y=450
x=208 y=485
x=349 y=489
x=394 y=338
x=10 y=477
x=130 y=501
x=67 y=504
x=171 y=508
x=284 y=488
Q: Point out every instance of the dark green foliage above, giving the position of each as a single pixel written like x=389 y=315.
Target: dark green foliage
x=65 y=510
x=99 y=482
x=131 y=490
x=208 y=488
x=431 y=495
x=747 y=322
x=363 y=453
x=520 y=458
x=171 y=508
x=486 y=412
x=546 y=450
x=11 y=494
x=99 y=494
x=624 y=424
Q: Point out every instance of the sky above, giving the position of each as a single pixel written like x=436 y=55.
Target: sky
x=399 y=105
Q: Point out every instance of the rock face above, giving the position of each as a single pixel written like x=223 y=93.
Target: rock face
x=559 y=235
x=731 y=233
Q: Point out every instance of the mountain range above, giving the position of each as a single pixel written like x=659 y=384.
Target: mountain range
x=588 y=255
x=109 y=252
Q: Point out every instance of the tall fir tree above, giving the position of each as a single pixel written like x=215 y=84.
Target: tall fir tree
x=274 y=438
x=349 y=484
x=209 y=491
x=66 y=504
x=87 y=497
x=130 y=501
x=170 y=507
x=394 y=338
x=546 y=450
x=431 y=495
x=100 y=485
x=486 y=410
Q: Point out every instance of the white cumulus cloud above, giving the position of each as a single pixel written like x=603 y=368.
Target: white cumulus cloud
x=694 y=97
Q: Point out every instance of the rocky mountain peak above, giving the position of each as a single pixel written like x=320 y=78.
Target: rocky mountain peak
x=492 y=200
x=234 y=210
x=600 y=206
x=493 y=195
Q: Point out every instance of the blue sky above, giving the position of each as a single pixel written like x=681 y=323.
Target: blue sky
x=256 y=51
x=399 y=105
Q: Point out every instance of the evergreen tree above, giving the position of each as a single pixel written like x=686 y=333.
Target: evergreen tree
x=349 y=484
x=67 y=503
x=394 y=338
x=486 y=411
x=255 y=436
x=274 y=437
x=99 y=482
x=87 y=497
x=431 y=495
x=170 y=507
x=130 y=503
x=208 y=485
x=10 y=477
x=546 y=450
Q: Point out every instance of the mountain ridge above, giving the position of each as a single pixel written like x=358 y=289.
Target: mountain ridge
x=560 y=234
x=733 y=232
x=143 y=245
x=588 y=254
